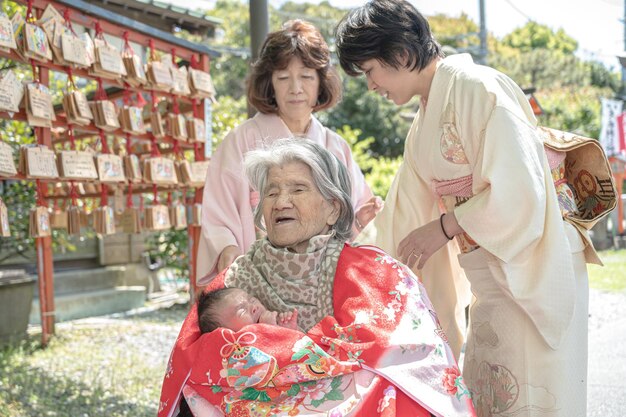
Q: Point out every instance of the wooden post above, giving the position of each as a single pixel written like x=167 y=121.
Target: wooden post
x=193 y=230
x=45 y=265
x=45 y=272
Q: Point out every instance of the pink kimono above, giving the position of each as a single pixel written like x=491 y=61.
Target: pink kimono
x=228 y=200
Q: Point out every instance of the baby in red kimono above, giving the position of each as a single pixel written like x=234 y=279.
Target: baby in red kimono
x=233 y=308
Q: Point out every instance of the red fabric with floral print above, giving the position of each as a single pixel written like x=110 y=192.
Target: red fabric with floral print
x=382 y=354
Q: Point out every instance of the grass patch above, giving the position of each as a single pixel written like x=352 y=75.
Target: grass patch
x=113 y=369
x=612 y=276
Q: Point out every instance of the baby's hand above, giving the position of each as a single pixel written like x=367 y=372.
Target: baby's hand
x=268 y=317
x=368 y=211
x=288 y=319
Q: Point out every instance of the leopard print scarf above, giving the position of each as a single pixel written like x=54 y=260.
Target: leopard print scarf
x=284 y=280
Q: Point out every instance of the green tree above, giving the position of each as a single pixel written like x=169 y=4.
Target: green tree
x=371 y=114
x=380 y=171
x=568 y=88
x=573 y=109
x=534 y=35
x=459 y=33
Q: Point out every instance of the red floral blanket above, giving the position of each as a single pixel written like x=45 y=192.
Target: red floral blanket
x=382 y=354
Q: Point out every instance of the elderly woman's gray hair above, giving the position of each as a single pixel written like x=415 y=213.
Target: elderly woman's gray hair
x=329 y=174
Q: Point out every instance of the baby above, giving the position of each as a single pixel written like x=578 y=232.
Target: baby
x=233 y=308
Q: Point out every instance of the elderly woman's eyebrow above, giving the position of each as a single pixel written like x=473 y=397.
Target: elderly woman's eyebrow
x=298 y=183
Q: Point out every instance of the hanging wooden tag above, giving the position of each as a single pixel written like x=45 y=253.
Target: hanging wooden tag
x=105 y=115
x=55 y=29
x=77 y=108
x=130 y=222
x=132 y=168
x=159 y=76
x=77 y=165
x=74 y=222
x=59 y=219
x=156 y=123
x=39 y=222
x=131 y=120
x=108 y=62
x=18 y=22
x=11 y=92
x=177 y=126
x=180 y=81
x=196 y=215
x=199 y=171
x=196 y=130
x=38 y=162
x=160 y=170
x=74 y=50
x=178 y=216
x=38 y=105
x=110 y=168
x=7 y=165
x=36 y=44
x=119 y=200
x=104 y=220
x=7 y=37
x=201 y=84
x=134 y=69
x=157 y=217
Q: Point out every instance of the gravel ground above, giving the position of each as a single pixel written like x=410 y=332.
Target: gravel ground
x=607 y=354
x=605 y=308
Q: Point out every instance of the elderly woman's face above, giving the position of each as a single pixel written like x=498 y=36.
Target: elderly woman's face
x=296 y=88
x=294 y=210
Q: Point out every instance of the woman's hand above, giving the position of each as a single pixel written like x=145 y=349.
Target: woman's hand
x=423 y=242
x=227 y=257
x=288 y=319
x=368 y=211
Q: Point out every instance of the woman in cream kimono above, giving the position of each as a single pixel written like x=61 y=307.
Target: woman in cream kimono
x=475 y=183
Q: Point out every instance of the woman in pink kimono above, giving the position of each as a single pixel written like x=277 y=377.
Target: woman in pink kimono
x=292 y=79
x=475 y=183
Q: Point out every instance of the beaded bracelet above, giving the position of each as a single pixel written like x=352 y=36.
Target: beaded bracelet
x=442 y=228
x=358 y=224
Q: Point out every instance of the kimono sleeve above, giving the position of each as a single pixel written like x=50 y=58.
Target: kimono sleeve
x=227 y=217
x=506 y=215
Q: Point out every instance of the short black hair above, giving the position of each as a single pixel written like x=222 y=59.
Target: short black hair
x=207 y=303
x=385 y=30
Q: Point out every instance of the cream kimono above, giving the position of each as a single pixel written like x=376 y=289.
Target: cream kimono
x=526 y=350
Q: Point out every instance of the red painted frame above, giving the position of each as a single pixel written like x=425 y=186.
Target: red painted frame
x=45 y=266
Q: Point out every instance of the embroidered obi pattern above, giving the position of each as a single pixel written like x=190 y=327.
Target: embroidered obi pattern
x=564 y=192
x=453 y=193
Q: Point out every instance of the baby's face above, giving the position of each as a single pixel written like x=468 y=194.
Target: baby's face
x=238 y=310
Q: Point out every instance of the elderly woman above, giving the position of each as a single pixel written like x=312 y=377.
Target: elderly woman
x=292 y=79
x=372 y=346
